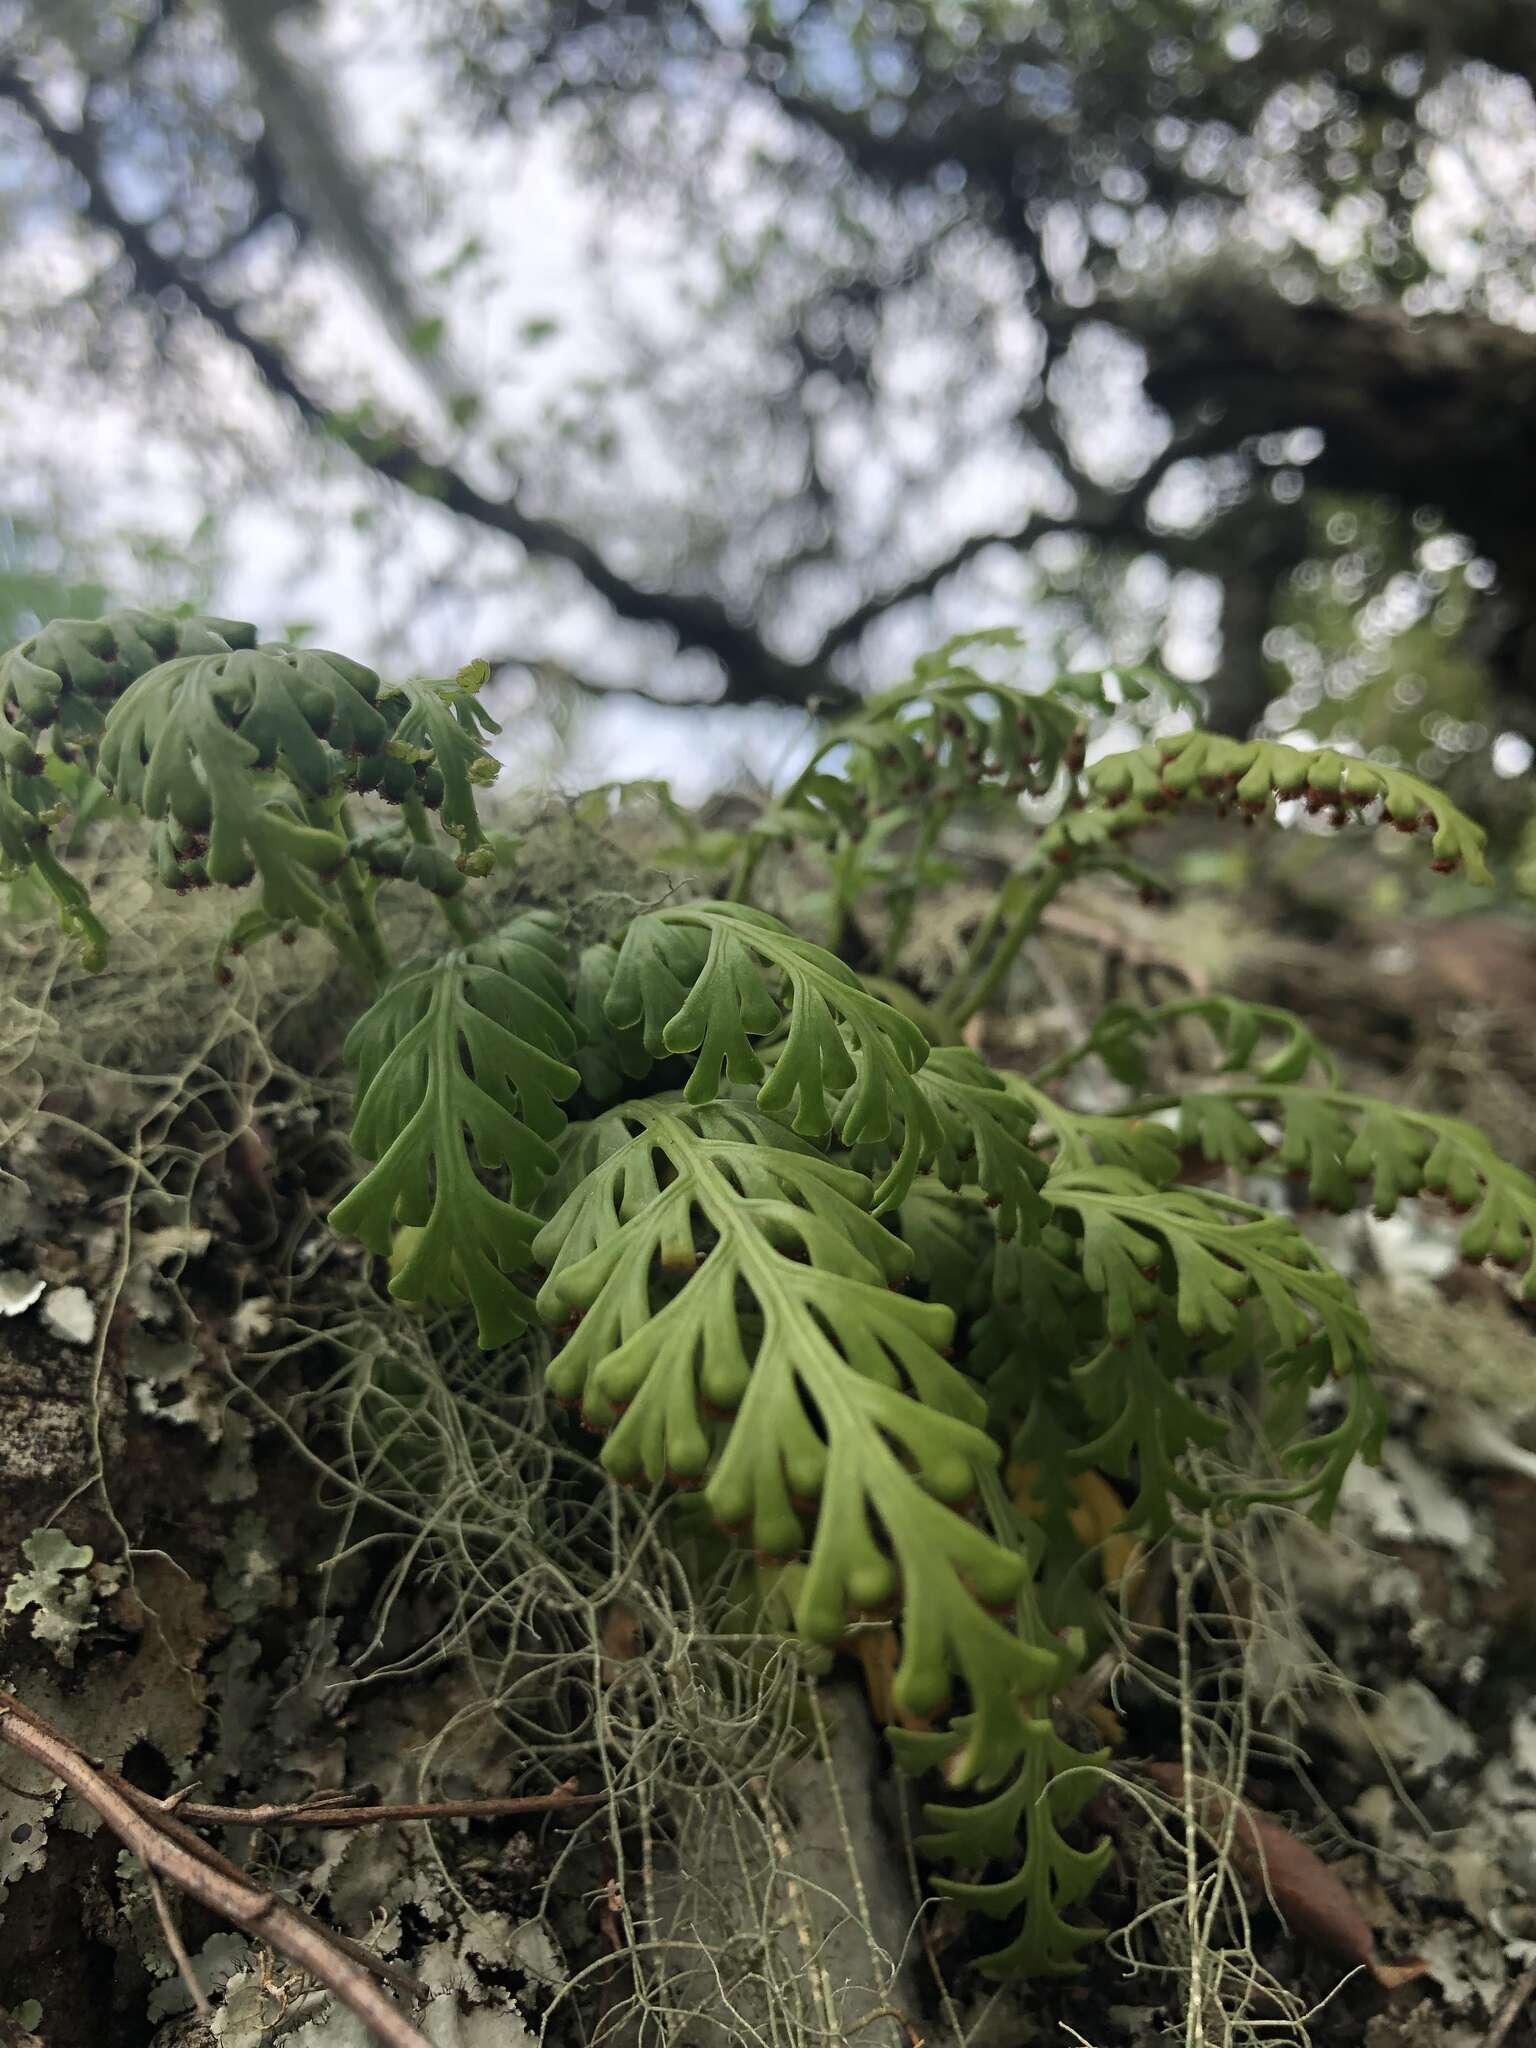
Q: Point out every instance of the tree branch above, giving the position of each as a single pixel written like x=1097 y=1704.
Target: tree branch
x=863 y=616
x=159 y=1845
x=753 y=673
x=1402 y=404
x=341 y=1811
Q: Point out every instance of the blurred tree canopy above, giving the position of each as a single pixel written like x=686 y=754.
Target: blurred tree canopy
x=722 y=351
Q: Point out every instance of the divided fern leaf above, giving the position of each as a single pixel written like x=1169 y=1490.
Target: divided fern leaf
x=185 y=742
x=736 y=1326
x=442 y=727
x=1349 y=1146
x=461 y=1066
x=1131 y=790
x=1222 y=1253
x=710 y=978
x=1253 y=1037
x=982 y=1138
x=1022 y=1823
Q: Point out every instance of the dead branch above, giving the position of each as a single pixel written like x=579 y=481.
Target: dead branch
x=335 y=1810
x=158 y=1842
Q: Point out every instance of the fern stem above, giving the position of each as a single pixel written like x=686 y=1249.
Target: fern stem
x=75 y=911
x=845 y=890
x=745 y=868
x=906 y=903
x=459 y=921
x=370 y=953
x=1024 y=925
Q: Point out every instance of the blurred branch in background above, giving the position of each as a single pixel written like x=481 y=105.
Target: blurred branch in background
x=726 y=356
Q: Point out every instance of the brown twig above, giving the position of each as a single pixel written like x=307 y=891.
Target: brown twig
x=158 y=1813
x=335 y=1811
x=159 y=1843
x=176 y=1945
x=1512 y=2008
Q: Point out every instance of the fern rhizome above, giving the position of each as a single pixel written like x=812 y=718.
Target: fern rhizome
x=893 y=1314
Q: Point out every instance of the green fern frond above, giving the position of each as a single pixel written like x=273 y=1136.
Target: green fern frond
x=1082 y=1138
x=56 y=687
x=695 y=979
x=951 y=1236
x=66 y=675
x=981 y=1138
x=1255 y=1038
x=1146 y=1423
x=165 y=748
x=185 y=742
x=1132 y=789
x=947 y=737
x=608 y=1054
x=1353 y=1146
x=737 y=1319
x=392 y=853
x=461 y=1067
x=1222 y=1253
x=441 y=729
x=1021 y=1824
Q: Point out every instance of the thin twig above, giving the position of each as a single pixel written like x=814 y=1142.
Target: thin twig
x=157 y=1843
x=157 y=1812
x=175 y=1944
x=322 y=1813
x=1512 y=2008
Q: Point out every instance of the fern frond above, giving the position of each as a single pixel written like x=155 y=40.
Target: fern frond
x=440 y=729
x=67 y=674
x=1082 y=1138
x=981 y=1137
x=392 y=852
x=1350 y=1146
x=1022 y=1823
x=952 y=1238
x=608 y=1054
x=947 y=737
x=1146 y=1423
x=1221 y=1254
x=695 y=978
x=737 y=1319
x=949 y=733
x=461 y=1067
x=56 y=687
x=184 y=743
x=1131 y=789
x=1256 y=1038
x=1041 y=1790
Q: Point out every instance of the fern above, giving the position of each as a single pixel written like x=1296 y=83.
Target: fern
x=726 y=1274
x=696 y=979
x=1131 y=790
x=804 y=1253
x=901 y=765
x=461 y=1065
x=1051 y=1784
x=441 y=729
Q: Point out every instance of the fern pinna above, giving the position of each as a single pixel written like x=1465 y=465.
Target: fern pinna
x=892 y=1313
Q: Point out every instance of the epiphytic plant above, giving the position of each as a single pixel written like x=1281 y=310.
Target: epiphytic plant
x=889 y=1310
